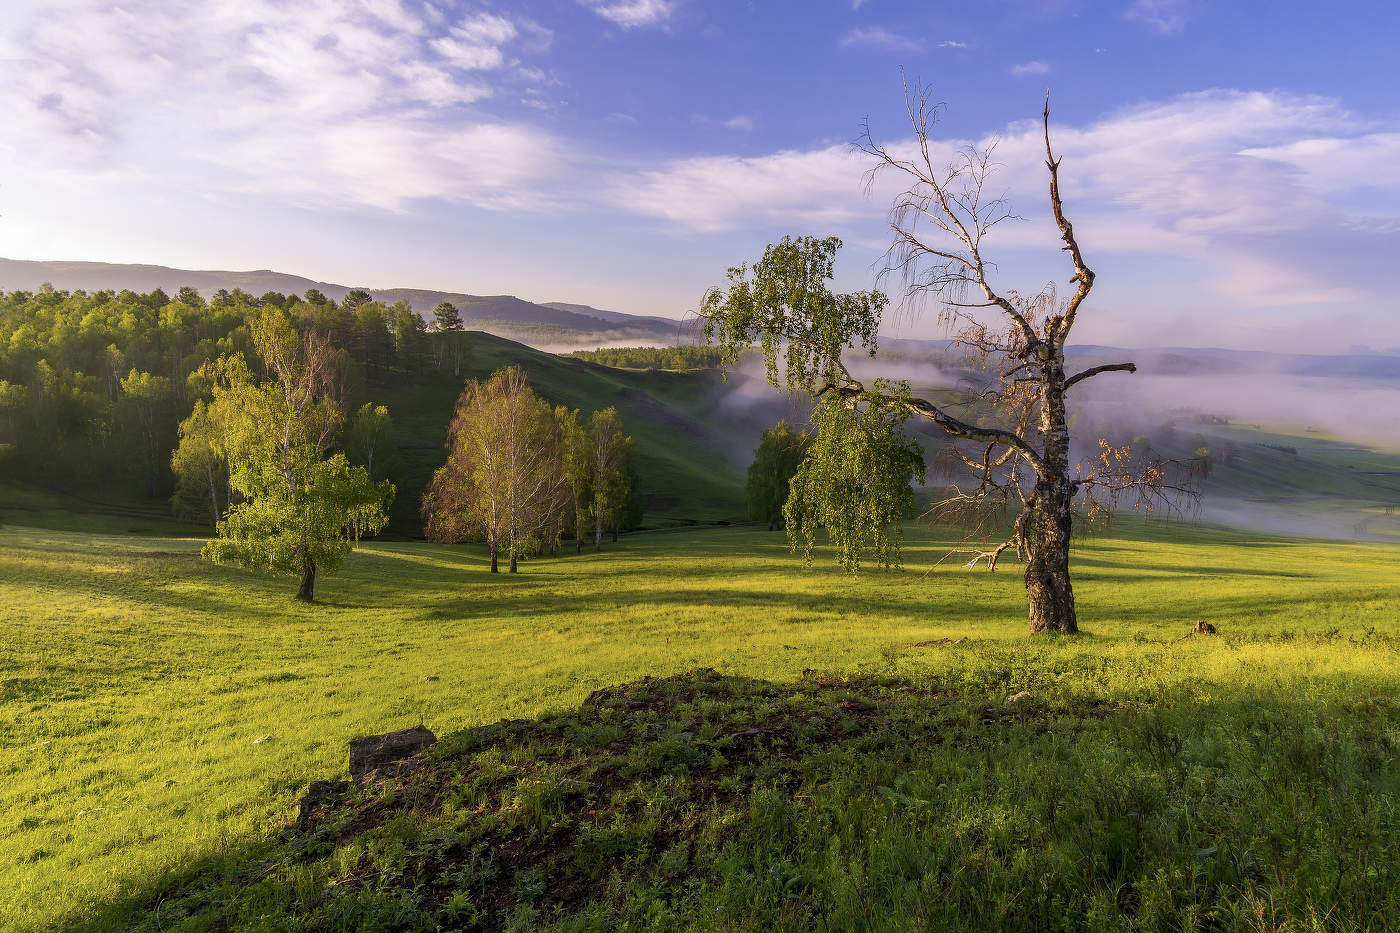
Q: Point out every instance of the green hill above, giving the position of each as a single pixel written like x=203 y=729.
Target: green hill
x=690 y=465
x=683 y=460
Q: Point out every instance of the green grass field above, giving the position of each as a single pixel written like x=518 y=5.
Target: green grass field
x=161 y=717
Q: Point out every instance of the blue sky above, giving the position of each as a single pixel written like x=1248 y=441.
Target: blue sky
x=1233 y=168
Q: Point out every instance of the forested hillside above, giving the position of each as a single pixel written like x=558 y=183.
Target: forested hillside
x=93 y=387
x=553 y=324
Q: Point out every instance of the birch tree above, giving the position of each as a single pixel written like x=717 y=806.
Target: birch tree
x=578 y=468
x=503 y=482
x=610 y=450
x=199 y=464
x=300 y=511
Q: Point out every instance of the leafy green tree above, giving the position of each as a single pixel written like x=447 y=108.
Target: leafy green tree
x=14 y=400
x=451 y=342
x=446 y=317
x=854 y=483
x=629 y=515
x=371 y=341
x=407 y=330
x=775 y=462
x=369 y=439
x=354 y=298
x=199 y=464
x=577 y=464
x=145 y=400
x=609 y=451
x=301 y=511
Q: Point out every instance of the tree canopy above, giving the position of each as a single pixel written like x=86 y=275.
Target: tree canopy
x=775 y=462
x=939 y=222
x=94 y=385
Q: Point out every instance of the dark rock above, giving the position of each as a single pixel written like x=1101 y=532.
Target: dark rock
x=376 y=757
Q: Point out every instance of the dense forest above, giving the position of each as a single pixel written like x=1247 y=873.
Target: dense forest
x=679 y=358
x=94 y=385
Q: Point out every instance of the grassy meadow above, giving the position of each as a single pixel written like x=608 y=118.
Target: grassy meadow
x=161 y=717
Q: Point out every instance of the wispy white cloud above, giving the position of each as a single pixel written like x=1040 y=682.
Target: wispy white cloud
x=332 y=103
x=476 y=43
x=881 y=37
x=633 y=14
x=1026 y=69
x=817 y=187
x=1165 y=16
x=741 y=121
x=952 y=44
x=1252 y=189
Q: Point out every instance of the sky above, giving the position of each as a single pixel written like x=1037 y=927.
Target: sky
x=1232 y=168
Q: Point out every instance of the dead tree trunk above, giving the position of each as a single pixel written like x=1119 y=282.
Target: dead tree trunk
x=1047 y=529
x=1047 y=524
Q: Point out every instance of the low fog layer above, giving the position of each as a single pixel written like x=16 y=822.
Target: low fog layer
x=1305 y=445
x=1347 y=396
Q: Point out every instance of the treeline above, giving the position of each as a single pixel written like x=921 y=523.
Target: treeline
x=521 y=474
x=94 y=385
x=681 y=358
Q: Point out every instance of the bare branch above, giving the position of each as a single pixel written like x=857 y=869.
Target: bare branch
x=1095 y=370
x=991 y=556
x=1082 y=273
x=853 y=390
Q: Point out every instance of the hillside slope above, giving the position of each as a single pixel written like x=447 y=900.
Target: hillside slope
x=689 y=462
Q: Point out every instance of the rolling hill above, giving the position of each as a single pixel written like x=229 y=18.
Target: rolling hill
x=555 y=325
x=693 y=439
x=694 y=436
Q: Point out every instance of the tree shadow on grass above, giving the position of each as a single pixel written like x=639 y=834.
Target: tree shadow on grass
x=876 y=803
x=1181 y=569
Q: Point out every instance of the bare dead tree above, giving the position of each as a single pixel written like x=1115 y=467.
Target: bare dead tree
x=1022 y=463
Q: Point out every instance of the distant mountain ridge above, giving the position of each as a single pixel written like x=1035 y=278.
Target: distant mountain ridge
x=551 y=324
